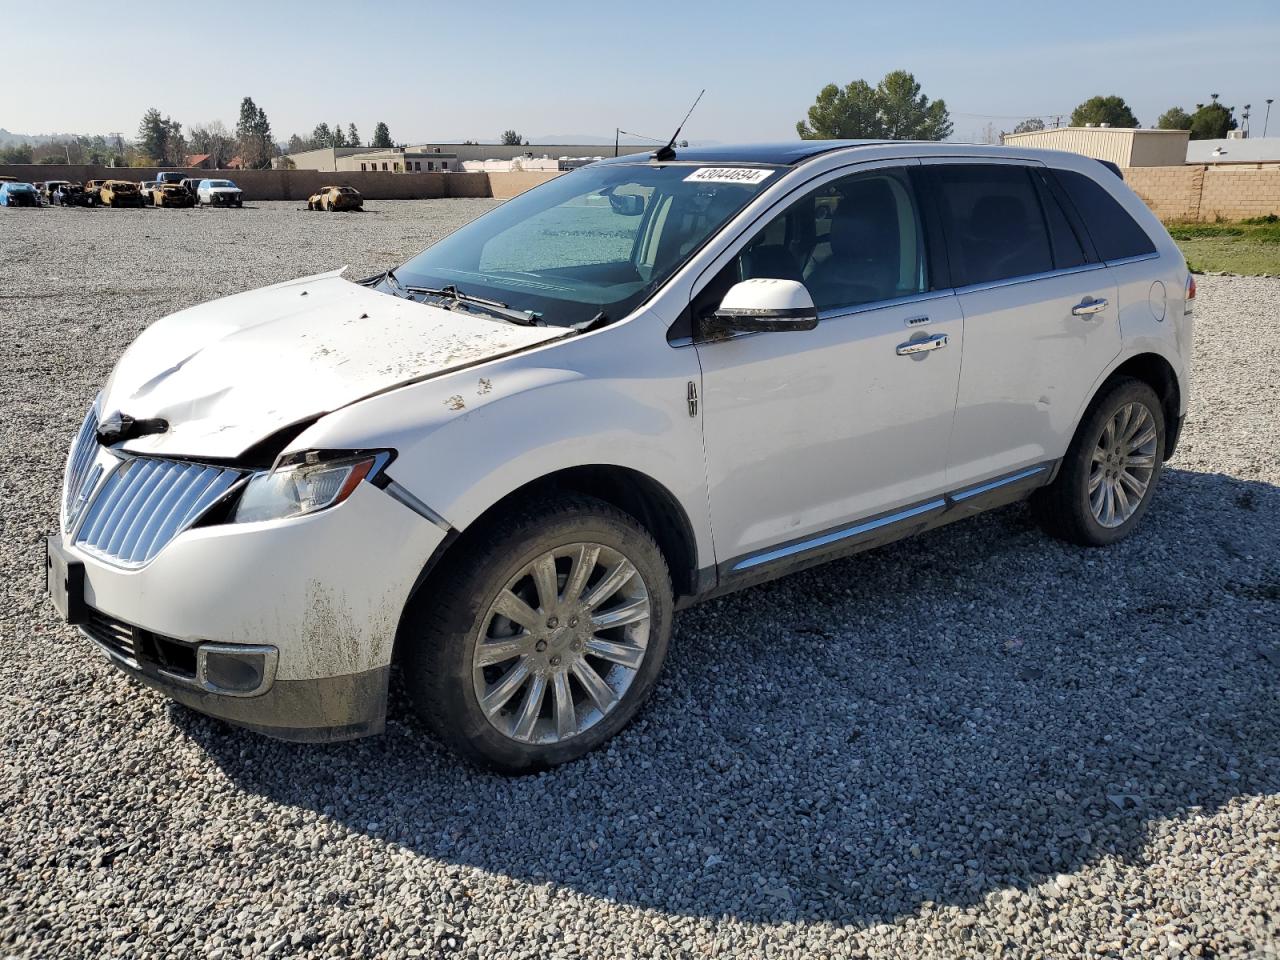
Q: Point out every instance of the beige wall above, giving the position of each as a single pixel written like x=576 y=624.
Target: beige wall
x=1198 y=192
x=1122 y=146
x=504 y=186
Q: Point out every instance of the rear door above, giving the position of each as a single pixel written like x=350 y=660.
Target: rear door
x=1040 y=316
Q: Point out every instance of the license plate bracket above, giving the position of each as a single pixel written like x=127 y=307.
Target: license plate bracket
x=64 y=579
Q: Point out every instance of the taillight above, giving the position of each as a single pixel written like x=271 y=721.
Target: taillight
x=1191 y=287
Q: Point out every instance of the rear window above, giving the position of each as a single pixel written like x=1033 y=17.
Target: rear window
x=1115 y=234
x=993 y=222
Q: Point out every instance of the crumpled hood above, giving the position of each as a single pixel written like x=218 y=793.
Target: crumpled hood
x=229 y=373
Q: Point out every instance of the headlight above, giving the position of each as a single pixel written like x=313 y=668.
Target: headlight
x=297 y=489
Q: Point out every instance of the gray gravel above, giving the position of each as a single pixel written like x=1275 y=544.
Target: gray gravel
x=981 y=742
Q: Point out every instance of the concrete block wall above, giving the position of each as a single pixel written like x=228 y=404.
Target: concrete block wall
x=504 y=186
x=1207 y=193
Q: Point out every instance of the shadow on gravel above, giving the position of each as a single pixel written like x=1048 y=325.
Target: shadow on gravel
x=979 y=709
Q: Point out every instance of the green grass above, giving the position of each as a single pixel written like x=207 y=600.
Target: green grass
x=1247 y=247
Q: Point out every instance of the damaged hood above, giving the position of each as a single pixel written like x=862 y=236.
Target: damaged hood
x=227 y=374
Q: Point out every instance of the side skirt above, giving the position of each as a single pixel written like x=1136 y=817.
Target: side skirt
x=844 y=541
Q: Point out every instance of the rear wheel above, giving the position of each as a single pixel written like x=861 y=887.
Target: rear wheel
x=543 y=638
x=1109 y=474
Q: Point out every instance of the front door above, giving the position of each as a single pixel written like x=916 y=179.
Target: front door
x=806 y=432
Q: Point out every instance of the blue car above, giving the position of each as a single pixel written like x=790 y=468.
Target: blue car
x=14 y=194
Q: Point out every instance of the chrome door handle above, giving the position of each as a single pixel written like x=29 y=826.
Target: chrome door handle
x=1088 y=307
x=911 y=347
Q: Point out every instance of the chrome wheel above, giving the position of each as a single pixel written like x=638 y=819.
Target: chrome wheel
x=561 y=643
x=1124 y=462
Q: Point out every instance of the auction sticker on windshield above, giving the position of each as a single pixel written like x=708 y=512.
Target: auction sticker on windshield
x=728 y=175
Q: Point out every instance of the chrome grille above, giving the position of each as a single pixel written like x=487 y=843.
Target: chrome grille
x=145 y=503
x=79 y=463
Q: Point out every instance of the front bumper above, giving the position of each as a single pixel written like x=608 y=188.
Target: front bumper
x=323 y=592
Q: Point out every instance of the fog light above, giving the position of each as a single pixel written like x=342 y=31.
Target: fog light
x=236 y=670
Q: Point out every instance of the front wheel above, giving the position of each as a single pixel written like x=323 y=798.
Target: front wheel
x=544 y=636
x=1109 y=474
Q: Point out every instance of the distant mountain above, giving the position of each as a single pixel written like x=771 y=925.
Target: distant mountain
x=8 y=139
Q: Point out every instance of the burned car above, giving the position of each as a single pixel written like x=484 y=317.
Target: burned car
x=72 y=195
x=170 y=195
x=330 y=199
x=120 y=193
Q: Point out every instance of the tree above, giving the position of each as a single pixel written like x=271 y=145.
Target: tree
x=894 y=109
x=152 y=135
x=907 y=113
x=214 y=139
x=381 y=136
x=18 y=153
x=1175 y=118
x=1029 y=125
x=511 y=139
x=253 y=136
x=321 y=137
x=297 y=144
x=353 y=136
x=339 y=137
x=1099 y=110
x=1212 y=120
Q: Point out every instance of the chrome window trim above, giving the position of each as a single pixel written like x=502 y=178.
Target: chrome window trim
x=1138 y=259
x=835 y=313
x=1029 y=278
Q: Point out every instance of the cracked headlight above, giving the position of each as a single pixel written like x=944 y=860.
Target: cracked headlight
x=307 y=486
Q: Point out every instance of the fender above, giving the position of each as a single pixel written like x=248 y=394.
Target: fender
x=465 y=440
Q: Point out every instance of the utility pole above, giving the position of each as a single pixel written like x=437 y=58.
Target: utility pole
x=617 y=132
x=1267 y=118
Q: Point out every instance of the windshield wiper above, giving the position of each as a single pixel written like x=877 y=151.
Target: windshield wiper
x=524 y=318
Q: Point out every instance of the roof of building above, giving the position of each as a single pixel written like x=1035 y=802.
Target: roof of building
x=786 y=153
x=1248 y=150
x=196 y=159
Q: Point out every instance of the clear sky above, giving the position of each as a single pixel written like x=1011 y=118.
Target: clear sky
x=467 y=69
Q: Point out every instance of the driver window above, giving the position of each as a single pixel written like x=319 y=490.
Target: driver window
x=853 y=241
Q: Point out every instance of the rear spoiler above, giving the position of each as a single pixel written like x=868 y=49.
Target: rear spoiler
x=1114 y=168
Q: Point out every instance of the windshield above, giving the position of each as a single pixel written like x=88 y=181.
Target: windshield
x=596 y=240
x=221 y=183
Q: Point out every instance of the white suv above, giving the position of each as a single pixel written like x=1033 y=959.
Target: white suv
x=504 y=464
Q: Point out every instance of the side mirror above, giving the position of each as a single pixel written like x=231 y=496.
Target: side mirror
x=761 y=305
x=627 y=204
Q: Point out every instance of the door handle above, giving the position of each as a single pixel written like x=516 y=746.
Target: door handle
x=1088 y=307
x=912 y=347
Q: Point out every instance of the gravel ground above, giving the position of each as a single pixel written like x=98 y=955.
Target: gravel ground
x=980 y=742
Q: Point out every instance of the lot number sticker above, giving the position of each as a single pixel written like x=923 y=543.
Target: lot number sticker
x=728 y=175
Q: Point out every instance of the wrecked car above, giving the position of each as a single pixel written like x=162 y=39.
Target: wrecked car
x=119 y=193
x=504 y=463
x=17 y=194
x=330 y=199
x=169 y=194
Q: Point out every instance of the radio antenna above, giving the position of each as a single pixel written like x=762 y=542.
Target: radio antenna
x=668 y=152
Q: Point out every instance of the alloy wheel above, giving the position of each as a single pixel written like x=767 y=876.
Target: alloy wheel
x=1123 y=464
x=561 y=643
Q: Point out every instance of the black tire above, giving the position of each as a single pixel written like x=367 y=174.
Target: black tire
x=1062 y=509
x=443 y=623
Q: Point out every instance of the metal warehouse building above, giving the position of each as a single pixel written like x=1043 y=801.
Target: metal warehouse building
x=1123 y=146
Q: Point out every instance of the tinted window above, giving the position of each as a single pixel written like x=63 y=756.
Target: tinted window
x=1067 y=249
x=852 y=241
x=1115 y=233
x=991 y=215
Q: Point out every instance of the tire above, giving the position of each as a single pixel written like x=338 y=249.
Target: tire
x=445 y=622
x=1067 y=509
